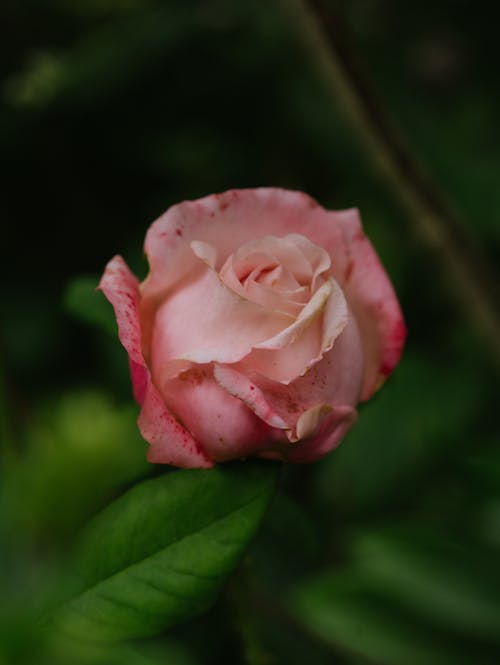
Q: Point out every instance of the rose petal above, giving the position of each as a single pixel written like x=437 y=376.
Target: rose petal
x=299 y=347
x=309 y=313
x=170 y=443
x=268 y=297
x=140 y=379
x=203 y=321
x=228 y=221
x=121 y=288
x=226 y=426
x=372 y=299
x=318 y=258
x=332 y=430
x=205 y=252
x=240 y=386
x=283 y=251
x=335 y=379
x=309 y=421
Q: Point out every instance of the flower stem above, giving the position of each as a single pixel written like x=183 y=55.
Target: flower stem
x=239 y=594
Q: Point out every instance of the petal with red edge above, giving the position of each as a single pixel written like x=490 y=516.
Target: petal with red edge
x=227 y=428
x=371 y=297
x=121 y=288
x=240 y=386
x=170 y=442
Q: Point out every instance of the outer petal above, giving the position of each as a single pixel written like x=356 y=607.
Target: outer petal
x=332 y=430
x=226 y=426
x=170 y=443
x=140 y=380
x=240 y=386
x=121 y=288
x=371 y=297
x=228 y=221
x=236 y=217
x=335 y=380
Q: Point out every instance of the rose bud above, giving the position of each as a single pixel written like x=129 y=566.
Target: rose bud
x=262 y=323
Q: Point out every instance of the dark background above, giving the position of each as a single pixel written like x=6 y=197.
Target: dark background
x=112 y=110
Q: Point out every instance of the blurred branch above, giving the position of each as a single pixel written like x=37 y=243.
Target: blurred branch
x=472 y=277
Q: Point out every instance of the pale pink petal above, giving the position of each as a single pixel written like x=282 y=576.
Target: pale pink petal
x=332 y=430
x=121 y=288
x=290 y=303
x=205 y=252
x=226 y=426
x=309 y=422
x=318 y=258
x=294 y=359
x=335 y=379
x=204 y=321
x=280 y=279
x=170 y=442
x=301 y=407
x=314 y=426
x=277 y=300
x=228 y=221
x=283 y=251
x=240 y=386
x=299 y=347
x=310 y=313
x=372 y=299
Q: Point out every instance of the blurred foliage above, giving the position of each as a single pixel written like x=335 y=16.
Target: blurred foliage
x=111 y=110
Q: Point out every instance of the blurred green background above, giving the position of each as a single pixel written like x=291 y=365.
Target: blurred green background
x=112 y=110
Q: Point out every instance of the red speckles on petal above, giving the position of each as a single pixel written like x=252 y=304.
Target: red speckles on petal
x=121 y=288
x=170 y=442
x=348 y=271
x=395 y=343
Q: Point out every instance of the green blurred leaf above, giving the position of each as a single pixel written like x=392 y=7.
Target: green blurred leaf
x=159 y=554
x=337 y=608
x=78 y=653
x=82 y=301
x=454 y=586
x=80 y=450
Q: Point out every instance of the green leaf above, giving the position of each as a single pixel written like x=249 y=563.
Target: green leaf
x=159 y=554
x=448 y=583
x=338 y=609
x=80 y=451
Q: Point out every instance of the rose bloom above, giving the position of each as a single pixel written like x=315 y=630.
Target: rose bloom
x=262 y=323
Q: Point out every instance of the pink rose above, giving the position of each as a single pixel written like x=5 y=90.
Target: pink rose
x=262 y=323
